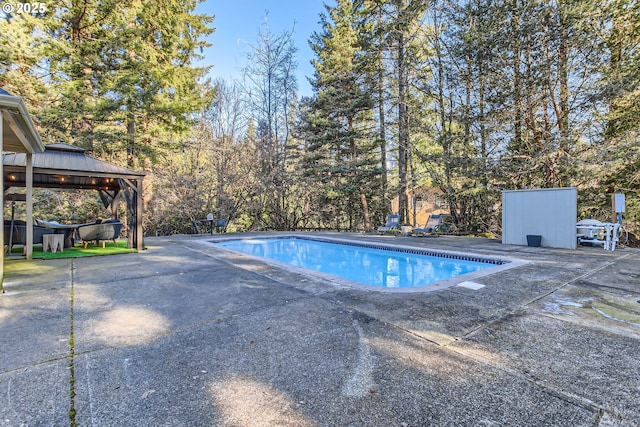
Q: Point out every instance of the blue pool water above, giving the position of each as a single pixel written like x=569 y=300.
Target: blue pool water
x=371 y=266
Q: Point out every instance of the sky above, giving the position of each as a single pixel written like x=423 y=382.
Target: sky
x=237 y=23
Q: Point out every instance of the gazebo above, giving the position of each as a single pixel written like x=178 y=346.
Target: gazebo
x=18 y=134
x=65 y=166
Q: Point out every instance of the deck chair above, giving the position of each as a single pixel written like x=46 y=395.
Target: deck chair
x=432 y=225
x=221 y=225
x=393 y=221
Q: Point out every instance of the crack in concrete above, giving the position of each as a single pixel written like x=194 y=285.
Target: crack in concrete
x=72 y=385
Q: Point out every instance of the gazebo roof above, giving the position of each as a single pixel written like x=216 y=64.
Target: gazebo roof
x=65 y=166
x=18 y=131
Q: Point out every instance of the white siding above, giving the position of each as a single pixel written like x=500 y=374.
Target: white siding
x=550 y=213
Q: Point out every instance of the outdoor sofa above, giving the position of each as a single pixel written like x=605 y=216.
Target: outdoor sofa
x=19 y=235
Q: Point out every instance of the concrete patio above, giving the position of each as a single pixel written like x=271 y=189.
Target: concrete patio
x=183 y=334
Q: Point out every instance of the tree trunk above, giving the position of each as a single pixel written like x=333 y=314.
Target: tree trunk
x=403 y=132
x=131 y=130
x=382 y=134
x=363 y=196
x=517 y=82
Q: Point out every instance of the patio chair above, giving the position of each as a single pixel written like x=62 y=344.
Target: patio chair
x=200 y=226
x=432 y=225
x=103 y=231
x=393 y=222
x=221 y=225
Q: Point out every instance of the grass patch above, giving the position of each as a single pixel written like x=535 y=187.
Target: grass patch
x=79 y=251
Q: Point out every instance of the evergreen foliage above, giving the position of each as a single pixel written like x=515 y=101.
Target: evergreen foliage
x=116 y=77
x=468 y=96
x=340 y=152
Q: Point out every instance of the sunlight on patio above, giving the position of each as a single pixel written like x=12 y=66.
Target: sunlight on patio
x=436 y=362
x=434 y=336
x=127 y=325
x=249 y=403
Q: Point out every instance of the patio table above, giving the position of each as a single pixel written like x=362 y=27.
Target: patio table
x=53 y=243
x=68 y=230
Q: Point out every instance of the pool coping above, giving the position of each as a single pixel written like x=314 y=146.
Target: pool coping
x=501 y=263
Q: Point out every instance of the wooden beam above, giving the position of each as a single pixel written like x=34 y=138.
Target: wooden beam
x=130 y=184
x=16 y=128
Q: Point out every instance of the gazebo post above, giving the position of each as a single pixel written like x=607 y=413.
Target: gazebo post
x=2 y=204
x=20 y=135
x=29 y=227
x=133 y=196
x=139 y=237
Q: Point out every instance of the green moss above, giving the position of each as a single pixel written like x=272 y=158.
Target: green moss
x=21 y=267
x=485 y=235
x=618 y=311
x=630 y=303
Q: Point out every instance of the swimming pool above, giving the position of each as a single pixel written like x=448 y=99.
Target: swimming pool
x=373 y=265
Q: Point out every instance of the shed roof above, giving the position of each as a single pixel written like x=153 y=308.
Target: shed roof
x=65 y=166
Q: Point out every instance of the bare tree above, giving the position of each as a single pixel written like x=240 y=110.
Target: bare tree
x=270 y=86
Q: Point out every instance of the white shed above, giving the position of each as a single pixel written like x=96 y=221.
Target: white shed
x=549 y=212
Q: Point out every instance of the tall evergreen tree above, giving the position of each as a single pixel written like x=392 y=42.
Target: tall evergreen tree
x=125 y=73
x=375 y=39
x=614 y=28
x=340 y=127
x=404 y=22
x=22 y=49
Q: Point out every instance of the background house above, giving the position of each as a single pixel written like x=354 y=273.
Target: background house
x=423 y=201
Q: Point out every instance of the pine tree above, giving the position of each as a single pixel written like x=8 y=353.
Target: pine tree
x=374 y=33
x=340 y=145
x=615 y=28
x=125 y=73
x=402 y=24
x=22 y=48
